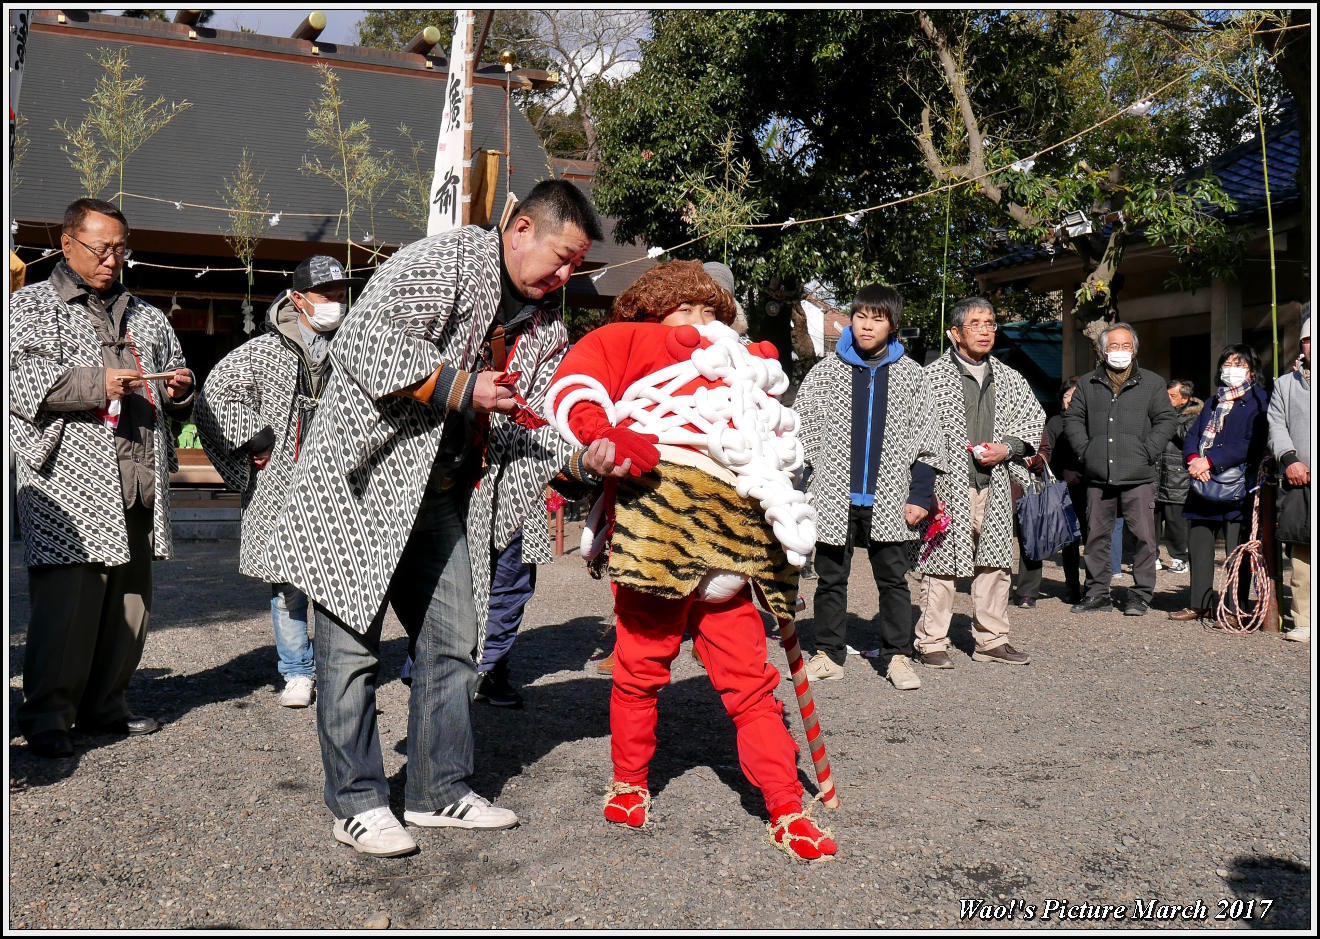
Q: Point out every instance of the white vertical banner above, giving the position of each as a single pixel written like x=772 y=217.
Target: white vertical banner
x=450 y=154
x=19 y=20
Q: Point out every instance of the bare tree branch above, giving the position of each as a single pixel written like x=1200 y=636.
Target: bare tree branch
x=587 y=45
x=975 y=168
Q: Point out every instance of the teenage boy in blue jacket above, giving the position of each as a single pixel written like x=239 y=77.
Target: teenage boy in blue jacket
x=870 y=436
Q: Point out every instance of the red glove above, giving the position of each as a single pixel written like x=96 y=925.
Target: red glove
x=628 y=444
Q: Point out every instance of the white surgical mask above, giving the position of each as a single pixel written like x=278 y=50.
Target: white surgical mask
x=1232 y=376
x=1118 y=360
x=326 y=316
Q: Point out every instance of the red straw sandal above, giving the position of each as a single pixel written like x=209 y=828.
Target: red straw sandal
x=626 y=804
x=794 y=833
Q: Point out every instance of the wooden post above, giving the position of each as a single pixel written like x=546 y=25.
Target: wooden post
x=469 y=74
x=1269 y=548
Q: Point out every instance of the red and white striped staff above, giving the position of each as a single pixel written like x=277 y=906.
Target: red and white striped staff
x=807 y=706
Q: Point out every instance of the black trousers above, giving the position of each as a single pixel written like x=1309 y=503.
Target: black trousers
x=1201 y=542
x=1169 y=519
x=1103 y=506
x=890 y=563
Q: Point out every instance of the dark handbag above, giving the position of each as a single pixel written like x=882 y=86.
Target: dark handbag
x=1227 y=486
x=1047 y=519
x=1294 y=514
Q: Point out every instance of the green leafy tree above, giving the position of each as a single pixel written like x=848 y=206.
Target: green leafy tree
x=1125 y=176
x=118 y=123
x=351 y=164
x=840 y=109
x=818 y=134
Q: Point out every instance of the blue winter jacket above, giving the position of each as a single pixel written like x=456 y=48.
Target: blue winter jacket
x=870 y=397
x=1241 y=440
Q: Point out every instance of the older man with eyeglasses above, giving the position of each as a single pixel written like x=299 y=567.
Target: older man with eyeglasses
x=989 y=419
x=95 y=373
x=1119 y=422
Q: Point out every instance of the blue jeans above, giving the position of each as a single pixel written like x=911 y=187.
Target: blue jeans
x=431 y=591
x=288 y=612
x=512 y=585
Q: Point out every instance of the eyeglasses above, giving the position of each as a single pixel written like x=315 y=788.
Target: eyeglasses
x=119 y=252
x=979 y=327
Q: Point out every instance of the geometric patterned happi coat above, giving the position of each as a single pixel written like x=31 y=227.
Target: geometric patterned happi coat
x=1017 y=414
x=519 y=464
x=263 y=383
x=359 y=479
x=70 y=498
x=824 y=404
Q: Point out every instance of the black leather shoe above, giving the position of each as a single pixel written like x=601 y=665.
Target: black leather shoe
x=131 y=726
x=1025 y=603
x=52 y=744
x=494 y=687
x=1091 y=604
x=1136 y=608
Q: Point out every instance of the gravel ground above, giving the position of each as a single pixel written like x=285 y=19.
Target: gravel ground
x=1133 y=760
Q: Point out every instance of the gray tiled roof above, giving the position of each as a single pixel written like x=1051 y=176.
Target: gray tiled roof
x=255 y=101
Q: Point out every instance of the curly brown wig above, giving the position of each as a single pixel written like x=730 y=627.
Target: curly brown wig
x=664 y=288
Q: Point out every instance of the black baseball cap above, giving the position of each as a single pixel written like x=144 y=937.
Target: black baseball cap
x=321 y=270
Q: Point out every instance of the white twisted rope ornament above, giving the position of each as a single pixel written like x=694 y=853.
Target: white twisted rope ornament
x=740 y=424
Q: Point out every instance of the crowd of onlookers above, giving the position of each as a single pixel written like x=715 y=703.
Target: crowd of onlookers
x=1182 y=472
x=1144 y=460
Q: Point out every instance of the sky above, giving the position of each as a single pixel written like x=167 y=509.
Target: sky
x=341 y=25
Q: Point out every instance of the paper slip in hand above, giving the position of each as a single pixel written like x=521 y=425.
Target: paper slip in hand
x=157 y=376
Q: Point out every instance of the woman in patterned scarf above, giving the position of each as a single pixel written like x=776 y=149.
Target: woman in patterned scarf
x=1231 y=432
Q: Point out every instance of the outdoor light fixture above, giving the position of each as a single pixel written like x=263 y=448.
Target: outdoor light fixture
x=1076 y=224
x=506 y=59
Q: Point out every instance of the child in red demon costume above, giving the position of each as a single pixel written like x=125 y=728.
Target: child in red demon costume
x=709 y=506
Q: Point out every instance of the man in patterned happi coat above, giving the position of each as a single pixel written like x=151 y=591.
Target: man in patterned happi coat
x=377 y=511
x=253 y=415
x=989 y=420
x=94 y=455
x=870 y=436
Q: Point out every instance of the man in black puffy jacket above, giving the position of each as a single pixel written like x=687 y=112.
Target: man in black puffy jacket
x=1119 y=422
x=1174 y=481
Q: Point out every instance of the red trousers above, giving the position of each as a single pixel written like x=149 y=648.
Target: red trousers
x=730 y=638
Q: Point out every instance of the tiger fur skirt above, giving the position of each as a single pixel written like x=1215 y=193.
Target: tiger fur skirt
x=676 y=524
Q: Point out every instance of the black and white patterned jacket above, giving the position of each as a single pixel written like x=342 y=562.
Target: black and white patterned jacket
x=364 y=465
x=1017 y=414
x=265 y=382
x=70 y=500
x=824 y=405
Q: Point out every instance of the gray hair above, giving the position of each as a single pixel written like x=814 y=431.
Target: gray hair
x=1103 y=341
x=971 y=304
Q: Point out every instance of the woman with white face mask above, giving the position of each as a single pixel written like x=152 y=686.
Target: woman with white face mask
x=1223 y=451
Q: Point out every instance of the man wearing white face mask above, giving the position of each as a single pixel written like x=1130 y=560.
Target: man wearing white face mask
x=253 y=415
x=1119 y=421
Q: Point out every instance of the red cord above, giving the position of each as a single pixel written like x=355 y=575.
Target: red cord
x=1229 y=613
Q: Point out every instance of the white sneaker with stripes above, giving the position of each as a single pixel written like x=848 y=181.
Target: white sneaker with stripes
x=471 y=811
x=377 y=832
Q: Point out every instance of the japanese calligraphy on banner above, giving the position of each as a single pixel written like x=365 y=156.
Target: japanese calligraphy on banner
x=19 y=21
x=450 y=154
